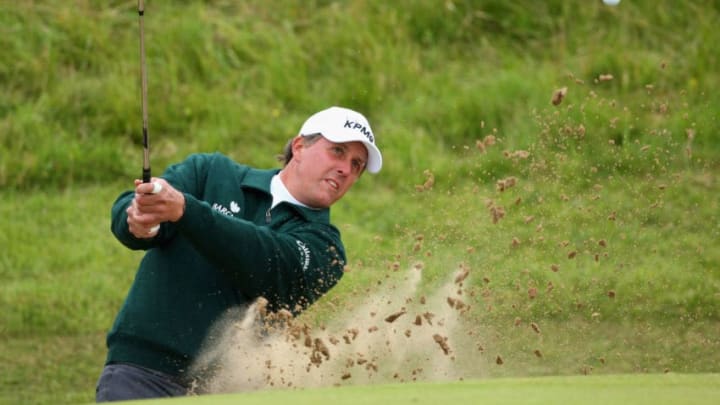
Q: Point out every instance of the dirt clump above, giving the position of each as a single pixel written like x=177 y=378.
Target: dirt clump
x=393 y=317
x=559 y=95
x=442 y=342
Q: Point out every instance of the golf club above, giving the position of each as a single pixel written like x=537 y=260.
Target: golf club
x=146 y=174
x=143 y=73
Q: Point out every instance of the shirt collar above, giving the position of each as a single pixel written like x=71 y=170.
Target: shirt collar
x=280 y=193
x=260 y=179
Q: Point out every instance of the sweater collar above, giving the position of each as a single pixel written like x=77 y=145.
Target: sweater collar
x=259 y=179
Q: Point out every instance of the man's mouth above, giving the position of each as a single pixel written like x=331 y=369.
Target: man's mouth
x=333 y=184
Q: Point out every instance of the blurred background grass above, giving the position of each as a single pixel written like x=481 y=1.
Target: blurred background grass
x=615 y=188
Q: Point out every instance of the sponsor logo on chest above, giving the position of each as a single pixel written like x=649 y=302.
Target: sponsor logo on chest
x=234 y=208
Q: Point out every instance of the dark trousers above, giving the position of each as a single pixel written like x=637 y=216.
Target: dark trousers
x=122 y=382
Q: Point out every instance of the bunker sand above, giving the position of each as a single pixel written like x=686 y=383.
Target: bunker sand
x=396 y=335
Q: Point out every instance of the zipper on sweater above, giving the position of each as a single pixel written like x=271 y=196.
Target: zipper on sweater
x=267 y=216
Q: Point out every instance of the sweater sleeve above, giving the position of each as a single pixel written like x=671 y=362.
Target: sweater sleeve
x=119 y=225
x=184 y=176
x=291 y=269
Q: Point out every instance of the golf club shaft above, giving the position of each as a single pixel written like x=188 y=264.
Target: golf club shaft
x=143 y=73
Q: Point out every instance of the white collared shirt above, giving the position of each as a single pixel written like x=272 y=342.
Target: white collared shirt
x=280 y=193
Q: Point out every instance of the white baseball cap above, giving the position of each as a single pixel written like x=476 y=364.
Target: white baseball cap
x=340 y=125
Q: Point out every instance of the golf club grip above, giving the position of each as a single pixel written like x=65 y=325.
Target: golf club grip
x=146 y=176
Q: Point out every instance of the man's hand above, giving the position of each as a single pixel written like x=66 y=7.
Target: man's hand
x=154 y=203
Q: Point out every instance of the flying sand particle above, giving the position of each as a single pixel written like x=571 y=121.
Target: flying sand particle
x=497 y=212
x=395 y=316
x=559 y=95
x=462 y=275
x=506 y=183
x=428 y=317
x=442 y=342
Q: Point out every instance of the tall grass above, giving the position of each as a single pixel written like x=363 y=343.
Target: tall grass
x=237 y=77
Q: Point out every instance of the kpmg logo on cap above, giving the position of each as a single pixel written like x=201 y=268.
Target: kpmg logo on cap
x=363 y=129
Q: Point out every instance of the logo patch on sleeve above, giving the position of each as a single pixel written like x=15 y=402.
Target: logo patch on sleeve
x=304 y=254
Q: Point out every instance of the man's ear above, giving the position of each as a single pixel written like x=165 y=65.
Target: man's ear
x=298 y=144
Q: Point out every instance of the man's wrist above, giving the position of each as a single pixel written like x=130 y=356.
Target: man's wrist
x=182 y=207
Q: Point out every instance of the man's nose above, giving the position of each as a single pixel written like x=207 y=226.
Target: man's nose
x=344 y=166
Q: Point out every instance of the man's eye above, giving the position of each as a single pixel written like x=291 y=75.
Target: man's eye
x=338 y=151
x=358 y=165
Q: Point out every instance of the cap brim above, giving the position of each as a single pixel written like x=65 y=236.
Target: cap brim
x=374 y=163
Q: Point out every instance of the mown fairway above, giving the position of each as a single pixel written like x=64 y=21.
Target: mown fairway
x=588 y=227
x=624 y=389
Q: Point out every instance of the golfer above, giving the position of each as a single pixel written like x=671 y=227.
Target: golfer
x=217 y=236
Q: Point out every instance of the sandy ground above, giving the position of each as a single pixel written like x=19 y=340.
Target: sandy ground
x=395 y=335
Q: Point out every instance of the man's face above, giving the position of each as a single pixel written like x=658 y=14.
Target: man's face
x=324 y=171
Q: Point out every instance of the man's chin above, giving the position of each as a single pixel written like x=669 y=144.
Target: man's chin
x=328 y=201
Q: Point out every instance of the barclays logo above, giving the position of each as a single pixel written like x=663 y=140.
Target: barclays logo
x=234 y=208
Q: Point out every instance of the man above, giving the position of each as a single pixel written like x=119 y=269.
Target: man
x=218 y=235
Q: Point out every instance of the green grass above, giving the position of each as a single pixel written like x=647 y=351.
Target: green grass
x=50 y=369
x=617 y=192
x=635 y=389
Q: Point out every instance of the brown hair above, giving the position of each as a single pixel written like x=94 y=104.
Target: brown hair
x=286 y=156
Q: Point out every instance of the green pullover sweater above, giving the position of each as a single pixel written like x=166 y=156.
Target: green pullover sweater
x=227 y=250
